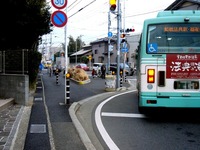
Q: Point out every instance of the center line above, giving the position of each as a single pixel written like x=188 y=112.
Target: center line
x=109 y=114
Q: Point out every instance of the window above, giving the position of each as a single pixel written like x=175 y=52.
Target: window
x=173 y=38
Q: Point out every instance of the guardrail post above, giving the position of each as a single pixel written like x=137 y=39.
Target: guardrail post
x=67 y=89
x=121 y=81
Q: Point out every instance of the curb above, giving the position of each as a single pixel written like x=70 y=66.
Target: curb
x=20 y=128
x=81 y=131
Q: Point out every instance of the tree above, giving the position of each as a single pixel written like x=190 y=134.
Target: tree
x=25 y=23
x=22 y=28
x=74 y=45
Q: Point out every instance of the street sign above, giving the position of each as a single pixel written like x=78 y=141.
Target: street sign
x=111 y=48
x=59 y=18
x=59 y=4
x=110 y=34
x=89 y=57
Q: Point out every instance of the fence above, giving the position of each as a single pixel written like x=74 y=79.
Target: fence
x=14 y=61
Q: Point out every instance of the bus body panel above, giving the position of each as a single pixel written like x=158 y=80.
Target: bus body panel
x=164 y=89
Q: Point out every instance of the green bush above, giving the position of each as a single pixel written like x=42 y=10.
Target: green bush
x=33 y=65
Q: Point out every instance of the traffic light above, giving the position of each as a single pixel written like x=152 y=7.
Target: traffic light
x=113 y=5
x=130 y=30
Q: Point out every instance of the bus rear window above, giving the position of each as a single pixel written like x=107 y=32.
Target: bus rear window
x=173 y=38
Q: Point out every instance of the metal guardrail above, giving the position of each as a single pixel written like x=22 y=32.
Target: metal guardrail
x=14 y=61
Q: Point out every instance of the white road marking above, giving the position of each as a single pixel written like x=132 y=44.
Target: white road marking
x=107 y=139
x=109 y=114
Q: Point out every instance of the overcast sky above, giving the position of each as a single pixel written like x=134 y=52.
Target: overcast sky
x=92 y=21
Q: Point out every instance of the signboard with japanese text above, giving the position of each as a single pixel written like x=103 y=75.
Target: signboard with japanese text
x=179 y=66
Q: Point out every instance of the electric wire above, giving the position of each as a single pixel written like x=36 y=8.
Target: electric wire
x=82 y=8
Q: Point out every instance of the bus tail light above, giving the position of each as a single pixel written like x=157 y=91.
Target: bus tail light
x=151 y=76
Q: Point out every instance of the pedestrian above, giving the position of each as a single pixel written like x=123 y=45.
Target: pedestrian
x=103 y=71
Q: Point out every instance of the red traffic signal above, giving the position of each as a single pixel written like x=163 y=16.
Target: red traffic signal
x=130 y=30
x=113 y=5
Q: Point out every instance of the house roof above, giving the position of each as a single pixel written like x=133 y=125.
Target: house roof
x=178 y=3
x=81 y=52
x=102 y=40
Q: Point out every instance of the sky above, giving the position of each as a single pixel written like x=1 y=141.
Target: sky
x=91 y=22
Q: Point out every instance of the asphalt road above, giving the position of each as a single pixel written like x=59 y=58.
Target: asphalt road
x=121 y=126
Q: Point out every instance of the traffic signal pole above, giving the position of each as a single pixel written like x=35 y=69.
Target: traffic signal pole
x=109 y=24
x=118 y=42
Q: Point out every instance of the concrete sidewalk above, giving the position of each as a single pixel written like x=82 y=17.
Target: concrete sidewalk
x=14 y=121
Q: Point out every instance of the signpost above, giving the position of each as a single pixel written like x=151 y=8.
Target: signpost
x=58 y=17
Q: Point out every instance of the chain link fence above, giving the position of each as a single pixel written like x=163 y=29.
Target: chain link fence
x=14 y=61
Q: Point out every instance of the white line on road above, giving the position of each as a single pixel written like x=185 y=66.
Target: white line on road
x=107 y=139
x=109 y=114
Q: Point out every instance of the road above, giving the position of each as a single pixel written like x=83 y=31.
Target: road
x=122 y=127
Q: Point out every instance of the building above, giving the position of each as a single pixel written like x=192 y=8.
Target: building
x=78 y=56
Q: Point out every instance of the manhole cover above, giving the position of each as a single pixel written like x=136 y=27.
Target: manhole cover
x=38 y=128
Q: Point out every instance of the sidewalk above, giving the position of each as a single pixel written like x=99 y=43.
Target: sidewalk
x=10 y=115
x=13 y=117
x=14 y=121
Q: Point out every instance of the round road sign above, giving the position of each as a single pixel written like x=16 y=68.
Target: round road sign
x=59 y=18
x=59 y=4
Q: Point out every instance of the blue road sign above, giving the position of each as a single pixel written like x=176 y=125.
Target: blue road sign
x=59 y=18
x=110 y=34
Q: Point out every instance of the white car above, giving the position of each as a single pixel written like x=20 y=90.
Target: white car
x=97 y=66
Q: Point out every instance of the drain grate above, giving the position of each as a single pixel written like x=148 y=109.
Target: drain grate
x=38 y=128
x=38 y=99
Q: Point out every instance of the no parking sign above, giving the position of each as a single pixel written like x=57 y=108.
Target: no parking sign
x=59 y=18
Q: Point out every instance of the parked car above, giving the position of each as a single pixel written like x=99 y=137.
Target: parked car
x=83 y=66
x=128 y=70
x=97 y=65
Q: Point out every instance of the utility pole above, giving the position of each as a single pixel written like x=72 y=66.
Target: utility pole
x=109 y=24
x=118 y=42
x=66 y=62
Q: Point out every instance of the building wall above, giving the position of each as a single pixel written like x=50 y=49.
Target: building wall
x=102 y=47
x=15 y=86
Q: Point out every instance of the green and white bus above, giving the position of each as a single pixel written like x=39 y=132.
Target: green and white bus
x=168 y=68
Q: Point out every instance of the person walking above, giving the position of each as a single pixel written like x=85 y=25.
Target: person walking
x=103 y=71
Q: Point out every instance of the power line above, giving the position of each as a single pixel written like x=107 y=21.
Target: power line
x=144 y=13
x=74 y=5
x=82 y=8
